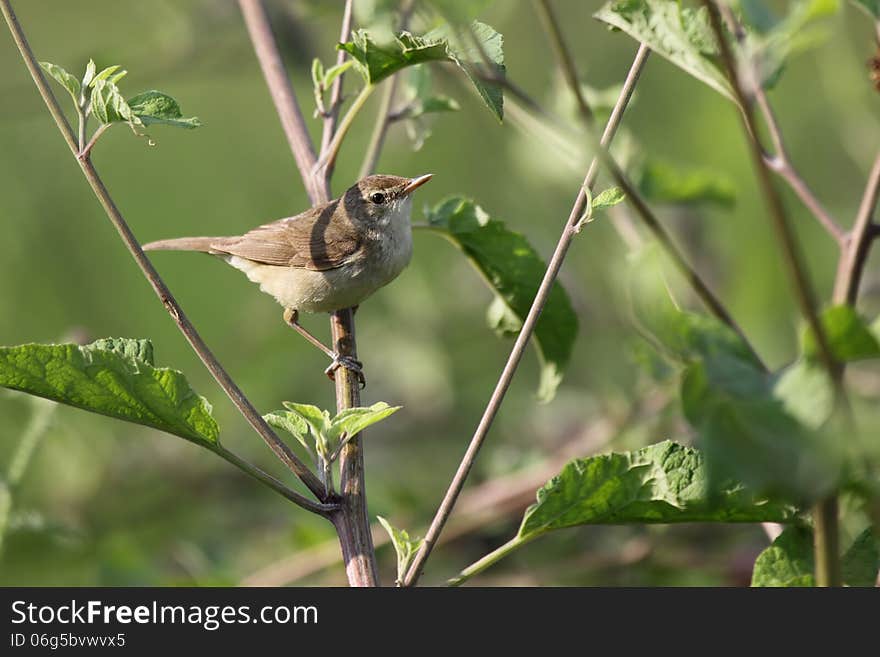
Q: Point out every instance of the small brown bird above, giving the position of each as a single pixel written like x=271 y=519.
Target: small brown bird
x=330 y=257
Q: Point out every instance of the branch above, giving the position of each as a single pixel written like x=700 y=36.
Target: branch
x=336 y=94
x=857 y=245
x=282 y=95
x=824 y=513
x=380 y=130
x=779 y=161
x=531 y=320
x=278 y=447
x=563 y=55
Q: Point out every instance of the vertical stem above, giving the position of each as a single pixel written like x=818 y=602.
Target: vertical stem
x=352 y=520
x=826 y=543
x=380 y=130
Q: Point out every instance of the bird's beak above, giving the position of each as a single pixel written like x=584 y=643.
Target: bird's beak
x=416 y=182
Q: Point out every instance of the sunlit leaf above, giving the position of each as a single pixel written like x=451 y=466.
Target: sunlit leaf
x=849 y=336
x=513 y=270
x=65 y=79
x=114 y=377
x=155 y=107
x=404 y=547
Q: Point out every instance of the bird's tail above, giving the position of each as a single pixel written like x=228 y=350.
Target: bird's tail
x=202 y=244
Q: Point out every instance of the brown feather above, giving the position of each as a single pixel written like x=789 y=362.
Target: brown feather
x=184 y=244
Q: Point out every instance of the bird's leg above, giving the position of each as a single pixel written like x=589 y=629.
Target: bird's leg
x=291 y=317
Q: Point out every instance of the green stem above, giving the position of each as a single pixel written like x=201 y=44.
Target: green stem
x=270 y=481
x=328 y=159
x=826 y=543
x=21 y=459
x=491 y=559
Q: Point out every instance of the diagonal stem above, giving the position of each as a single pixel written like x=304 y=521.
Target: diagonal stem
x=282 y=94
x=529 y=324
x=336 y=93
x=825 y=512
x=278 y=447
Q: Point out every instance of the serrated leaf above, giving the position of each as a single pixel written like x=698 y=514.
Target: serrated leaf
x=376 y=61
x=351 y=421
x=789 y=560
x=154 y=107
x=849 y=336
x=608 y=198
x=680 y=34
x=661 y=483
x=665 y=183
x=65 y=79
x=114 y=378
x=513 y=270
x=404 y=547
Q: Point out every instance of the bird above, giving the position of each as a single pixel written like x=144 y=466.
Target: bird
x=330 y=257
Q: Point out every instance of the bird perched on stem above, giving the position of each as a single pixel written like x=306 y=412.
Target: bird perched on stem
x=330 y=257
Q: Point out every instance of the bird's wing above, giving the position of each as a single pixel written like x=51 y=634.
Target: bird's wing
x=308 y=241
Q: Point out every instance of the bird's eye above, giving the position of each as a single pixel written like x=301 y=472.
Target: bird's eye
x=378 y=198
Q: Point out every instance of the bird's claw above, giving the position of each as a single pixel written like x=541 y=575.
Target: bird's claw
x=348 y=363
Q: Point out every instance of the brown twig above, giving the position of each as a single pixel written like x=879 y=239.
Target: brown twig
x=282 y=95
x=568 y=233
x=278 y=447
x=336 y=94
x=825 y=513
x=857 y=244
x=563 y=55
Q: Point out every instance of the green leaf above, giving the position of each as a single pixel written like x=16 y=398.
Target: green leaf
x=293 y=424
x=405 y=547
x=860 y=563
x=105 y=74
x=608 y=198
x=351 y=421
x=788 y=561
x=89 y=74
x=109 y=106
x=680 y=34
x=155 y=107
x=870 y=7
x=376 y=61
x=662 y=483
x=513 y=270
x=114 y=377
x=849 y=336
x=806 y=392
x=662 y=182
x=502 y=320
x=748 y=434
x=318 y=422
x=65 y=79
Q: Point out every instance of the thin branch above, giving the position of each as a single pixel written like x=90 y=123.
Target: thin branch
x=328 y=157
x=858 y=243
x=278 y=447
x=563 y=55
x=336 y=94
x=380 y=130
x=531 y=320
x=779 y=161
x=282 y=94
x=824 y=513
x=265 y=478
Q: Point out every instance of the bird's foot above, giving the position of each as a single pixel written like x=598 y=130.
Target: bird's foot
x=348 y=363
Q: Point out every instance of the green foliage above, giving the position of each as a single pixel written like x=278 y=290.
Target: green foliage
x=377 y=60
x=328 y=435
x=849 y=336
x=513 y=270
x=404 y=547
x=99 y=96
x=684 y=36
x=753 y=426
x=63 y=78
x=661 y=483
x=114 y=377
x=660 y=181
x=418 y=101
x=680 y=34
x=789 y=560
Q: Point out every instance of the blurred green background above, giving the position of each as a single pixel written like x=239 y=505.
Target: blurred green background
x=106 y=503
